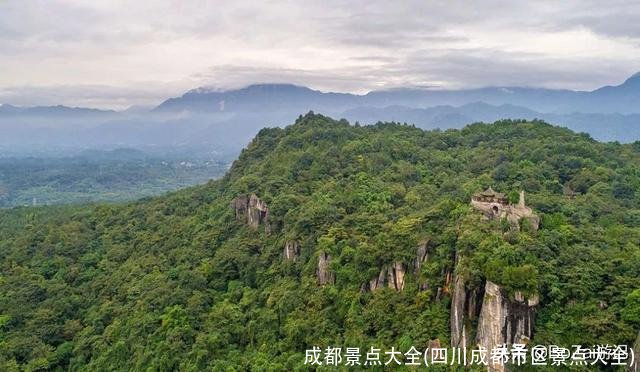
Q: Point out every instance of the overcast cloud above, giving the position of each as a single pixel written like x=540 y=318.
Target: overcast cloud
x=113 y=54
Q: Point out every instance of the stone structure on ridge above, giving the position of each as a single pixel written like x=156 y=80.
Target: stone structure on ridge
x=495 y=205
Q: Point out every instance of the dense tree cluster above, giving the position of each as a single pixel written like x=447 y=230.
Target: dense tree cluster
x=178 y=282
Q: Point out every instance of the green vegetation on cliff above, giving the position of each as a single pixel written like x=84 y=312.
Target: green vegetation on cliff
x=183 y=281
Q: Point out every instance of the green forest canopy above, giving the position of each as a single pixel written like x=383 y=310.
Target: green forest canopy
x=177 y=282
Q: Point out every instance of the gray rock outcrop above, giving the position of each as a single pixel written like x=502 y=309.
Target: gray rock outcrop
x=252 y=210
x=396 y=274
x=291 y=250
x=503 y=321
x=324 y=274
x=465 y=309
x=444 y=290
x=422 y=256
x=520 y=211
x=434 y=344
x=459 y=332
x=393 y=276
x=379 y=281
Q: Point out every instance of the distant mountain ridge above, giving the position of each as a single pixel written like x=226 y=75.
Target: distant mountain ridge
x=224 y=121
x=603 y=127
x=623 y=98
x=58 y=110
x=257 y=96
x=439 y=116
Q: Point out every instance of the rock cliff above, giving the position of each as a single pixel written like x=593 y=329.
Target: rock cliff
x=520 y=211
x=459 y=332
x=465 y=309
x=504 y=321
x=444 y=290
x=393 y=276
x=422 y=256
x=378 y=282
x=252 y=210
x=291 y=250
x=323 y=273
x=396 y=274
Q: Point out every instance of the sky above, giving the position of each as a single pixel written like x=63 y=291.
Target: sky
x=115 y=54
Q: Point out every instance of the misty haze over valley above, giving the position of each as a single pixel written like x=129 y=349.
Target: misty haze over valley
x=220 y=123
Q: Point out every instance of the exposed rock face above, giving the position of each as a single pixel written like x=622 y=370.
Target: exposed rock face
x=379 y=281
x=396 y=276
x=323 y=273
x=492 y=319
x=446 y=273
x=257 y=212
x=459 y=334
x=447 y=281
x=568 y=191
x=434 y=344
x=422 y=255
x=465 y=308
x=291 y=250
x=392 y=275
x=503 y=321
x=251 y=209
x=602 y=304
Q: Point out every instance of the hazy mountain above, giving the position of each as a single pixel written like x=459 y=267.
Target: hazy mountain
x=259 y=97
x=224 y=121
x=444 y=116
x=55 y=111
x=623 y=98
x=603 y=127
x=611 y=99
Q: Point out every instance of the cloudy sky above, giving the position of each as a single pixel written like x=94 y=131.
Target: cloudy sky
x=113 y=54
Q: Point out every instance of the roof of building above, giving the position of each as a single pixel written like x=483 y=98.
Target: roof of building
x=489 y=193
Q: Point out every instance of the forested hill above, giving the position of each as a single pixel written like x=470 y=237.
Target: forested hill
x=326 y=234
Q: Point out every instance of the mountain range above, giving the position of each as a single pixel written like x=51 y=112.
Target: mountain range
x=227 y=120
x=622 y=98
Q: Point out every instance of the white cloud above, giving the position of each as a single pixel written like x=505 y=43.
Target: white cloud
x=84 y=52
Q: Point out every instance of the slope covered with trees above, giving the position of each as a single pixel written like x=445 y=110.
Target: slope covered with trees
x=182 y=281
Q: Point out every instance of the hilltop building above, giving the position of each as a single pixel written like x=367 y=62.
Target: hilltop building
x=496 y=205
